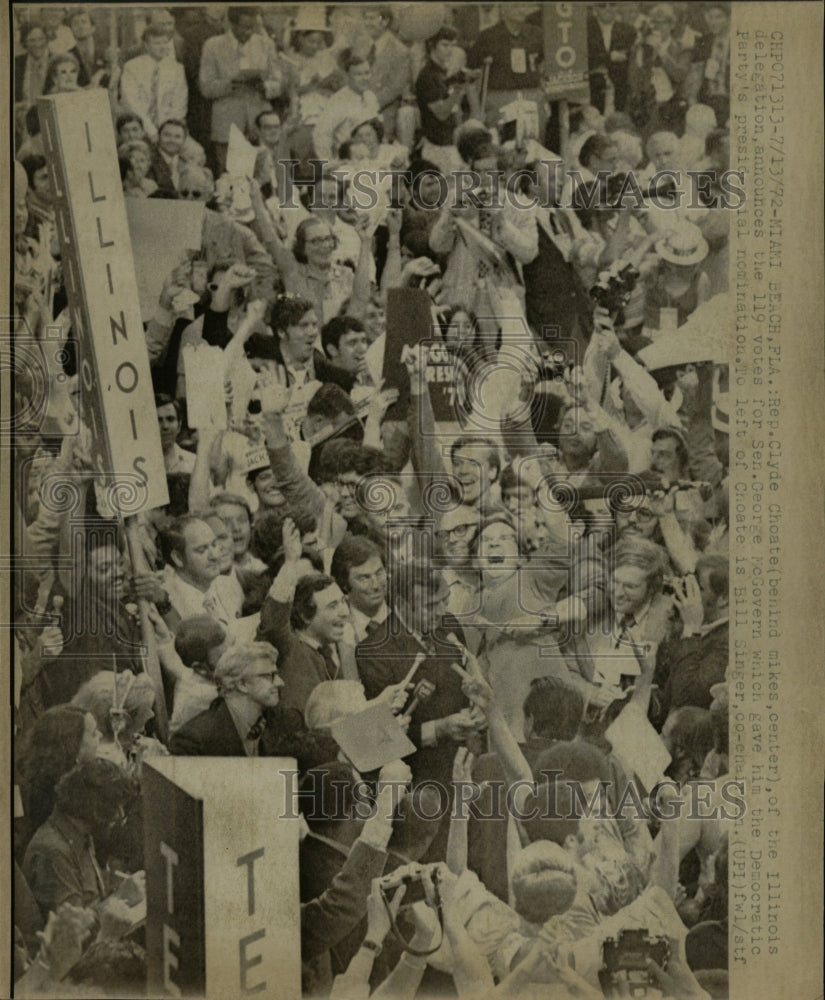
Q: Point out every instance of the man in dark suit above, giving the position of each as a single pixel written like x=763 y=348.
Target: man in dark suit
x=609 y=41
x=690 y=667
x=556 y=303
x=417 y=625
x=89 y=48
x=233 y=726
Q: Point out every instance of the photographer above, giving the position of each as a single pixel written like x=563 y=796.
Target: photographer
x=330 y=916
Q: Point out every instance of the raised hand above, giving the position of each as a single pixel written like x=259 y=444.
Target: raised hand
x=463 y=765
x=273 y=394
x=378 y=919
x=415 y=361
x=381 y=402
x=394 y=221
x=478 y=691
x=238 y=276
x=293 y=547
x=688 y=599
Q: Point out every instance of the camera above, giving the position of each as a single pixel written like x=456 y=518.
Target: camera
x=407 y=875
x=625 y=958
x=613 y=287
x=413 y=876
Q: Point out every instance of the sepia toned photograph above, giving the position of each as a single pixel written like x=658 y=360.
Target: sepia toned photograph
x=412 y=479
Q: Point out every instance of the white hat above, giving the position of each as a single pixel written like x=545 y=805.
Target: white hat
x=684 y=244
x=312 y=17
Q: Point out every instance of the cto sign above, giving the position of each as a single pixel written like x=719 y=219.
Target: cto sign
x=565 y=51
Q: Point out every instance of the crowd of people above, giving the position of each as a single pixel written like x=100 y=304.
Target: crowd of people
x=532 y=588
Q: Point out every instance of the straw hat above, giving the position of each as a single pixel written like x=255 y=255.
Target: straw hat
x=684 y=244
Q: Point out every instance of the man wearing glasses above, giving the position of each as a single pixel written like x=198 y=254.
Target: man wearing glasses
x=249 y=688
x=456 y=537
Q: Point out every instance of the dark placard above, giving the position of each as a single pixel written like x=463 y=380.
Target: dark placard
x=174 y=862
x=410 y=321
x=565 y=52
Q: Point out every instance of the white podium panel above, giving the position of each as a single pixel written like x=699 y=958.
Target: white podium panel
x=222 y=878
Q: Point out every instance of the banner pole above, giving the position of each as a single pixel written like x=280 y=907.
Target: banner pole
x=151 y=662
x=564 y=130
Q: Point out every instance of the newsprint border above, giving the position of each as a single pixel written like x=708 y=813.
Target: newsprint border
x=777 y=490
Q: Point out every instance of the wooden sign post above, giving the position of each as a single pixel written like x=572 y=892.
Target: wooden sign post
x=221 y=858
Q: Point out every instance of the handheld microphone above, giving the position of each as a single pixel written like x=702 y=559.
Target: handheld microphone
x=423 y=692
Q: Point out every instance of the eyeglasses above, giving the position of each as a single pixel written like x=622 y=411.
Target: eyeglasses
x=318 y=240
x=269 y=677
x=187 y=193
x=642 y=515
x=459 y=531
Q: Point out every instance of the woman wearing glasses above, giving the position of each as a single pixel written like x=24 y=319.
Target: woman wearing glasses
x=309 y=270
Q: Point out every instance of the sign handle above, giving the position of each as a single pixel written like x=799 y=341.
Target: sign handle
x=152 y=663
x=564 y=129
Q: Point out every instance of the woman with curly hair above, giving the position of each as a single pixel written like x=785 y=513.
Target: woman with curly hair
x=60 y=739
x=66 y=859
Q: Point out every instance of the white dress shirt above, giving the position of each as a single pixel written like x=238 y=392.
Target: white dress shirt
x=344 y=111
x=172 y=91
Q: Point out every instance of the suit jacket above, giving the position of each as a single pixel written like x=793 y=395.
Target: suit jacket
x=319 y=861
x=300 y=665
x=695 y=664
x=220 y=61
x=329 y=917
x=386 y=658
x=159 y=171
x=391 y=74
x=554 y=295
x=210 y=734
x=100 y=642
x=213 y=733
x=88 y=68
x=622 y=38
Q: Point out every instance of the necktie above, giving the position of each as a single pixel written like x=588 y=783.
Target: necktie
x=626 y=623
x=329 y=661
x=373 y=627
x=90 y=848
x=153 y=94
x=256 y=731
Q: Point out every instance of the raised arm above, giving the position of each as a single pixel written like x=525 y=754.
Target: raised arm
x=299 y=490
x=274 y=626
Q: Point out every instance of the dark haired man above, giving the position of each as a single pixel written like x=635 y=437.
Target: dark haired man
x=175 y=458
x=358 y=569
x=439 y=98
x=304 y=617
